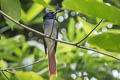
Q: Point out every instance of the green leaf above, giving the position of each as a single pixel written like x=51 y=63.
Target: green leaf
x=94 y=8
x=79 y=35
x=10 y=45
x=53 y=77
x=23 y=16
x=28 y=76
x=34 y=10
x=12 y=8
x=18 y=52
x=3 y=66
x=37 y=20
x=45 y=4
x=108 y=41
x=71 y=29
x=86 y=26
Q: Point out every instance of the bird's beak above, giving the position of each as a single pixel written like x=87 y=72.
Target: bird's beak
x=57 y=11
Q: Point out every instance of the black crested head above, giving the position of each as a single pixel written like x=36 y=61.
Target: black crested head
x=50 y=15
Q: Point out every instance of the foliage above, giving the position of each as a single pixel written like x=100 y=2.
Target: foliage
x=20 y=47
x=13 y=10
x=94 y=8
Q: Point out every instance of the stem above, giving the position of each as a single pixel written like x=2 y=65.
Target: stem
x=90 y=32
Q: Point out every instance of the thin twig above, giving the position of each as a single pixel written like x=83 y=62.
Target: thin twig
x=25 y=65
x=10 y=70
x=4 y=74
x=47 y=36
x=82 y=47
x=90 y=32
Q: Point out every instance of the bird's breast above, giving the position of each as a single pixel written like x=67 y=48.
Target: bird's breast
x=49 y=26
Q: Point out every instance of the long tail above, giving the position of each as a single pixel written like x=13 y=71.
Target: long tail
x=52 y=63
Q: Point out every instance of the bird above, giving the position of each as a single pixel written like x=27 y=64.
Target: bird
x=50 y=27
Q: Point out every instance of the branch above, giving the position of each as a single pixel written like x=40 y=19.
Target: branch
x=99 y=52
x=4 y=74
x=90 y=32
x=10 y=70
x=47 y=36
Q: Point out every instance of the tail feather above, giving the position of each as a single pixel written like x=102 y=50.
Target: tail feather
x=52 y=63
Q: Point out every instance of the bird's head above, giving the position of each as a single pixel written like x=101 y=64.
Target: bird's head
x=50 y=15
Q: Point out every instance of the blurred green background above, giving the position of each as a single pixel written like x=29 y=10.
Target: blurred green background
x=19 y=46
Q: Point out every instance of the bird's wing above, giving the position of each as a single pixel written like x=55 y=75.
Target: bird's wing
x=56 y=38
x=44 y=42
